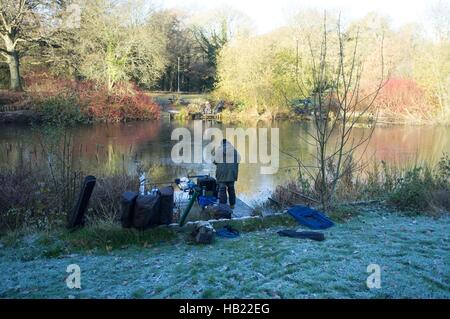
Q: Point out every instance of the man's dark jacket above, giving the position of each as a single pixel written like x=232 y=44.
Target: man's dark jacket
x=227 y=160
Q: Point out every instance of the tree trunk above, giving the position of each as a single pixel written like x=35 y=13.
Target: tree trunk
x=12 y=59
x=14 y=71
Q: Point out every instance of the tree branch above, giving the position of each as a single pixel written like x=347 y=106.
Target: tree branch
x=6 y=57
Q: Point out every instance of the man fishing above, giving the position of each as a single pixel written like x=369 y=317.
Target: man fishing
x=227 y=161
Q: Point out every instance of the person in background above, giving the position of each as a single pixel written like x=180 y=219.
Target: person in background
x=227 y=161
x=207 y=109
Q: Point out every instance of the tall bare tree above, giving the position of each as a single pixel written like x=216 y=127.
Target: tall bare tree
x=338 y=104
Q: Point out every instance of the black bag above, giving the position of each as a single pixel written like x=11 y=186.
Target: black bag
x=166 y=206
x=75 y=219
x=210 y=185
x=128 y=204
x=146 y=211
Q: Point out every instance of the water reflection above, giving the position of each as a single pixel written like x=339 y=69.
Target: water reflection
x=111 y=148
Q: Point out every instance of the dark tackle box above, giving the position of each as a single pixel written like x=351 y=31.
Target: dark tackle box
x=209 y=184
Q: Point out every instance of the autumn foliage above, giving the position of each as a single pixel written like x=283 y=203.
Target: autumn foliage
x=402 y=96
x=93 y=101
x=120 y=106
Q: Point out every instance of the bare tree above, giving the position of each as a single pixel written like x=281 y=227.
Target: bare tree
x=338 y=104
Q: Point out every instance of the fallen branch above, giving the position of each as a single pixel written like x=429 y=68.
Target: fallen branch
x=364 y=202
x=305 y=197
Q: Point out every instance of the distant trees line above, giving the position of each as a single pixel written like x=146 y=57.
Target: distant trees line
x=266 y=73
x=116 y=42
x=111 y=42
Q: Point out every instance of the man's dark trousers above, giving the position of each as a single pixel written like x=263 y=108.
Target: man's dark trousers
x=223 y=187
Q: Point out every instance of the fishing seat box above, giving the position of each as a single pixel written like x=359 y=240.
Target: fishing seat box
x=147 y=211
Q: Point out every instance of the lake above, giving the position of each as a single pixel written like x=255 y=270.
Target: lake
x=109 y=148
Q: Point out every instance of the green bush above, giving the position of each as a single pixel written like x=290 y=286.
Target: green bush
x=420 y=189
x=62 y=110
x=443 y=171
x=413 y=190
x=423 y=188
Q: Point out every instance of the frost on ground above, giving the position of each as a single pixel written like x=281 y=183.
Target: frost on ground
x=413 y=253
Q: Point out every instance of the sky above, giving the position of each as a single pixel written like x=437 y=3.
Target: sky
x=270 y=14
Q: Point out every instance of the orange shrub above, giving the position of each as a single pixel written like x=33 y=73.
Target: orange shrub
x=117 y=107
x=126 y=103
x=402 y=96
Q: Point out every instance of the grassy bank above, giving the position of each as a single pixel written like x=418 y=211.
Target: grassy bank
x=103 y=236
x=37 y=200
x=417 y=190
x=176 y=100
x=412 y=255
x=191 y=106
